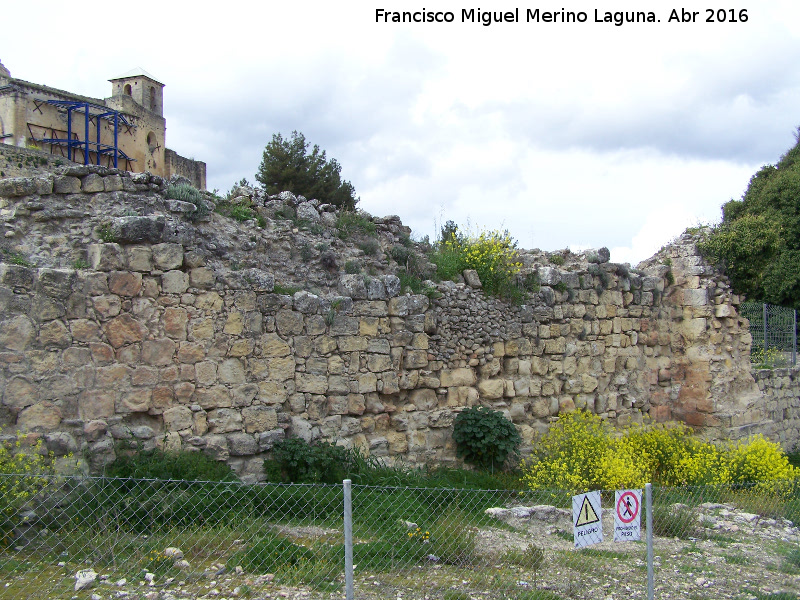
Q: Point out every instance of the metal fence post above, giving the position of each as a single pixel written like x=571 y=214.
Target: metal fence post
x=648 y=498
x=348 y=540
x=765 y=330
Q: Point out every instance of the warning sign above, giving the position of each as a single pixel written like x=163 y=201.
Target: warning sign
x=628 y=515
x=586 y=515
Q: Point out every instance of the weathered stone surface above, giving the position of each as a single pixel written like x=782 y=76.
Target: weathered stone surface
x=353 y=286
x=106 y=257
x=168 y=256
x=42 y=416
x=16 y=333
x=242 y=444
x=259 y=418
x=123 y=330
x=458 y=377
x=178 y=418
x=174 y=282
x=124 y=283
x=158 y=352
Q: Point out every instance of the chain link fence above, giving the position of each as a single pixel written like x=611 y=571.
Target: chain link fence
x=774 y=332
x=154 y=540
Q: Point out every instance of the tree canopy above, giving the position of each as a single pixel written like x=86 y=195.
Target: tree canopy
x=758 y=241
x=288 y=165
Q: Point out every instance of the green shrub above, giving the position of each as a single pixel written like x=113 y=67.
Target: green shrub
x=400 y=254
x=353 y=267
x=174 y=465
x=369 y=247
x=484 y=437
x=297 y=461
x=269 y=554
x=351 y=223
x=674 y=522
x=187 y=193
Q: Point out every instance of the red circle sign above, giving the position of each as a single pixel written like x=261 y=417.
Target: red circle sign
x=627 y=507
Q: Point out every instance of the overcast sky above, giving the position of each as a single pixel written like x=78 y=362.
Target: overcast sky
x=566 y=134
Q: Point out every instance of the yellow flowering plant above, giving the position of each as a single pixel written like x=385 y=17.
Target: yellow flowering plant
x=24 y=467
x=492 y=254
x=579 y=453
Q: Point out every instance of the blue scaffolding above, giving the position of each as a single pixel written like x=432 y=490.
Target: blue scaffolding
x=90 y=111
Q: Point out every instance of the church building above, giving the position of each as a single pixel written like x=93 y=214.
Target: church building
x=126 y=131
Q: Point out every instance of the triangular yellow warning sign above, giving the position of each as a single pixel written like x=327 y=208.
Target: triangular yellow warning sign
x=587 y=514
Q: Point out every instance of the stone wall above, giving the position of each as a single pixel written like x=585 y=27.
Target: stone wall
x=779 y=406
x=153 y=342
x=193 y=170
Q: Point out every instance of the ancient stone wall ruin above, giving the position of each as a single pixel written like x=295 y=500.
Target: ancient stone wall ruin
x=146 y=340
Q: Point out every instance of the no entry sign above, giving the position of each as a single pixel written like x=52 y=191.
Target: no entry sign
x=628 y=515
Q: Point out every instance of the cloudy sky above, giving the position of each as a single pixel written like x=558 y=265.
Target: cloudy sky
x=566 y=134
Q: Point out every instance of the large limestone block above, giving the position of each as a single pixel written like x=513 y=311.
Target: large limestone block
x=458 y=377
x=40 y=416
x=695 y=297
x=224 y=420
x=491 y=389
x=314 y=384
x=424 y=399
x=259 y=418
x=135 y=401
x=213 y=397
x=106 y=257
x=273 y=345
x=242 y=444
x=415 y=359
x=231 y=371
x=177 y=418
x=174 y=282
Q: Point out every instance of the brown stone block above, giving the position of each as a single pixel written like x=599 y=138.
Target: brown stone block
x=19 y=393
x=190 y=352
x=123 y=330
x=42 y=416
x=124 y=283
x=660 y=414
x=184 y=392
x=102 y=354
x=694 y=419
x=84 y=330
x=135 y=401
x=54 y=333
x=175 y=320
x=95 y=404
x=158 y=352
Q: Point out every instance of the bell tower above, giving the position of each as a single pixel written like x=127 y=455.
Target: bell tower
x=142 y=87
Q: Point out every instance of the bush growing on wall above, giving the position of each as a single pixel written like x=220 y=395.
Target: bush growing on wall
x=492 y=254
